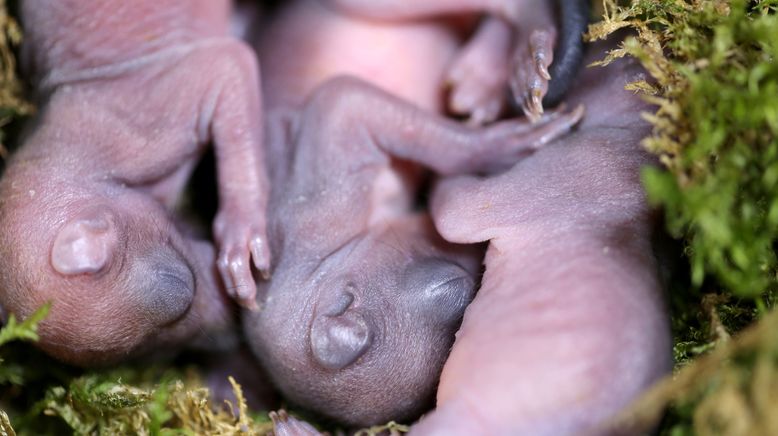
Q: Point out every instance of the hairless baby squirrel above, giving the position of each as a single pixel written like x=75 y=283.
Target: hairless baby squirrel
x=361 y=310
x=365 y=297
x=132 y=92
x=357 y=320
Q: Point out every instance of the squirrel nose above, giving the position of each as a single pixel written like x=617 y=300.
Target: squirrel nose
x=168 y=298
x=166 y=287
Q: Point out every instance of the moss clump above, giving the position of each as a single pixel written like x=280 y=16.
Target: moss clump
x=10 y=371
x=12 y=102
x=45 y=397
x=27 y=330
x=128 y=400
x=91 y=406
x=715 y=82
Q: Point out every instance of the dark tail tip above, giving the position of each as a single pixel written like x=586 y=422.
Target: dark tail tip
x=573 y=19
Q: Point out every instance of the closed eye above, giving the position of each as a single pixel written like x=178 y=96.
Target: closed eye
x=439 y=286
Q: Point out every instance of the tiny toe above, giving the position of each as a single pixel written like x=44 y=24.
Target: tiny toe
x=543 y=71
x=242 y=282
x=536 y=101
x=229 y=285
x=455 y=75
x=560 y=126
x=541 y=44
x=261 y=254
x=485 y=113
x=578 y=113
x=250 y=305
x=477 y=118
x=550 y=116
x=529 y=110
x=461 y=100
x=285 y=425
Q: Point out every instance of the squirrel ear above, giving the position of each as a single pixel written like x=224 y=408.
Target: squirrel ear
x=84 y=244
x=339 y=335
x=338 y=341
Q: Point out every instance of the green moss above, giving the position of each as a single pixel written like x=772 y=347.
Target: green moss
x=715 y=130
x=27 y=330
x=13 y=373
x=130 y=400
x=45 y=397
x=714 y=80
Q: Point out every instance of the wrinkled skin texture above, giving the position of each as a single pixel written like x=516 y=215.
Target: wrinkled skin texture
x=569 y=325
x=131 y=95
x=365 y=297
x=515 y=42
